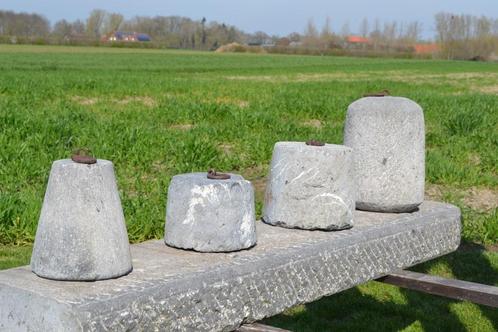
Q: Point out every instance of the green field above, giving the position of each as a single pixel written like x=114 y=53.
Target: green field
x=157 y=113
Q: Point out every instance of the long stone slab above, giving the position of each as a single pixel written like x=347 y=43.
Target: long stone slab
x=177 y=290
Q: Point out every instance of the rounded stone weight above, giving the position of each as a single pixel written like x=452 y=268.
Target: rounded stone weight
x=81 y=233
x=210 y=215
x=310 y=187
x=388 y=139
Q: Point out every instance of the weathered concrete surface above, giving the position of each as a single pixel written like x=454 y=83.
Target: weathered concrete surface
x=210 y=215
x=310 y=187
x=388 y=139
x=177 y=290
x=81 y=233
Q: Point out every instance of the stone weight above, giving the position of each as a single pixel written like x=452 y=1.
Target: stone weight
x=310 y=187
x=81 y=233
x=387 y=136
x=210 y=215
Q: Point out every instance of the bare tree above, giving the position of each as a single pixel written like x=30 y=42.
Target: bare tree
x=413 y=32
x=311 y=30
x=95 y=22
x=295 y=37
x=376 y=34
x=326 y=29
x=112 y=22
x=62 y=30
x=364 y=27
x=345 y=30
x=203 y=31
x=78 y=27
x=311 y=35
x=390 y=33
x=260 y=38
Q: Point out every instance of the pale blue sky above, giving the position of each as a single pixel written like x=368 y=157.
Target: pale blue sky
x=272 y=16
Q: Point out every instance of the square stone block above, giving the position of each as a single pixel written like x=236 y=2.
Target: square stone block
x=310 y=187
x=210 y=215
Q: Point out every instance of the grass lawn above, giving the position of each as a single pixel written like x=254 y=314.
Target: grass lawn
x=157 y=113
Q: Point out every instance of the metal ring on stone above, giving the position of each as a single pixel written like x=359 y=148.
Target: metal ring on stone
x=315 y=143
x=213 y=175
x=382 y=93
x=81 y=156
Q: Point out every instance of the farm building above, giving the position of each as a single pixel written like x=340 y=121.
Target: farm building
x=426 y=48
x=126 y=37
x=358 y=40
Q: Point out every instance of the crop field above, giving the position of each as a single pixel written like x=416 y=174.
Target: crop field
x=157 y=113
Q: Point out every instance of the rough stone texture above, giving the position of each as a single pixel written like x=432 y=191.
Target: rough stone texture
x=178 y=290
x=210 y=215
x=388 y=139
x=310 y=187
x=81 y=232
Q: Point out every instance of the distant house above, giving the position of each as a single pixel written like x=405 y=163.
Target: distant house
x=356 y=43
x=358 y=40
x=121 y=36
x=295 y=44
x=422 y=49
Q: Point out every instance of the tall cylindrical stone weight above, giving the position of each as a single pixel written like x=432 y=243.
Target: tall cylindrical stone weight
x=310 y=187
x=388 y=138
x=81 y=233
x=210 y=212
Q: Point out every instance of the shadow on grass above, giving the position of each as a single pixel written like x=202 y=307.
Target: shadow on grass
x=469 y=263
x=379 y=307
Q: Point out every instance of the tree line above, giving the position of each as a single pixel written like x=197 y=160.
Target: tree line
x=458 y=36
x=375 y=36
x=23 y=24
x=166 y=31
x=466 y=36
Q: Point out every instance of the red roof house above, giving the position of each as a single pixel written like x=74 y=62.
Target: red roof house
x=357 y=40
x=426 y=48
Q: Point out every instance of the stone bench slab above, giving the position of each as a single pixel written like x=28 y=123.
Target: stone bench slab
x=177 y=290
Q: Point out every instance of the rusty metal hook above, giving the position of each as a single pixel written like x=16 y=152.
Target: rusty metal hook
x=82 y=156
x=382 y=93
x=213 y=175
x=314 y=143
